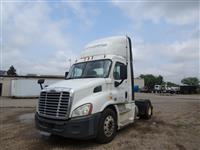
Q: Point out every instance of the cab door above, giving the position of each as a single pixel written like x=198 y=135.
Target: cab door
x=125 y=108
x=120 y=82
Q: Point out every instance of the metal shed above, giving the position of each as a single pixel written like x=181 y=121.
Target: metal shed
x=24 y=86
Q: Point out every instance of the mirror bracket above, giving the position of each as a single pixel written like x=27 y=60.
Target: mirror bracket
x=40 y=82
x=118 y=83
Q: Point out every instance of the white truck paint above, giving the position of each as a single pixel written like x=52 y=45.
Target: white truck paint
x=101 y=97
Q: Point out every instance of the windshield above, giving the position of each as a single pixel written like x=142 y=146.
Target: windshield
x=91 y=69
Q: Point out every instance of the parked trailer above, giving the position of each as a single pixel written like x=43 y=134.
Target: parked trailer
x=27 y=87
x=188 y=89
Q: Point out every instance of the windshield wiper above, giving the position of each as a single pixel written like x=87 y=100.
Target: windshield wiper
x=92 y=76
x=74 y=77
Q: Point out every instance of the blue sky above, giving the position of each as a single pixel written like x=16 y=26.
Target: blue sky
x=41 y=36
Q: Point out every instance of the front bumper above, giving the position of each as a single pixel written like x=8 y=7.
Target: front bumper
x=78 y=128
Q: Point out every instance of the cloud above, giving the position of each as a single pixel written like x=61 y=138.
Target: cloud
x=174 y=12
x=36 y=38
x=173 y=58
x=83 y=13
x=174 y=61
x=33 y=41
x=78 y=9
x=55 y=66
x=183 y=51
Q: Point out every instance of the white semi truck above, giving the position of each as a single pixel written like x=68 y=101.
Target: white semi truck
x=96 y=98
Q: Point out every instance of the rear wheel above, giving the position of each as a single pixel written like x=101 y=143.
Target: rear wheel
x=145 y=108
x=148 y=111
x=108 y=126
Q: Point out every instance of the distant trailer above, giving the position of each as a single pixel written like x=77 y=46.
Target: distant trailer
x=27 y=87
x=24 y=86
x=188 y=89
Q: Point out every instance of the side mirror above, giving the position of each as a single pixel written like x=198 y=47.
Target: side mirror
x=122 y=75
x=123 y=72
x=41 y=81
x=66 y=73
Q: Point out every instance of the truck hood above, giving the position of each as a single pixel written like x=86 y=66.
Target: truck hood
x=76 y=84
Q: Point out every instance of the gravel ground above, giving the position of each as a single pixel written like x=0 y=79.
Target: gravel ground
x=17 y=103
x=174 y=125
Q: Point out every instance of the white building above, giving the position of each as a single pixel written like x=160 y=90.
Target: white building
x=24 y=86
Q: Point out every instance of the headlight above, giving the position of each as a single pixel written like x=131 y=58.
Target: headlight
x=83 y=110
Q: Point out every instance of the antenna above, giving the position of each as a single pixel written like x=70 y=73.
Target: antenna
x=126 y=49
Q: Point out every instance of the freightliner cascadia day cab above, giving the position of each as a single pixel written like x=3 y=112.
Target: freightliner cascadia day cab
x=96 y=98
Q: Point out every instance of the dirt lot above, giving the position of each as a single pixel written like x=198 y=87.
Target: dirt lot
x=174 y=125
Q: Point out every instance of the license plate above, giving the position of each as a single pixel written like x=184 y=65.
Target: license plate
x=48 y=125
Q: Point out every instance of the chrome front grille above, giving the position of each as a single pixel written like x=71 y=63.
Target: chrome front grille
x=54 y=104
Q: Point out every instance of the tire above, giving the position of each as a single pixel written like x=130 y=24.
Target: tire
x=148 y=111
x=107 y=127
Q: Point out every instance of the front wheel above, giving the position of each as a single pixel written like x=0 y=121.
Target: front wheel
x=108 y=126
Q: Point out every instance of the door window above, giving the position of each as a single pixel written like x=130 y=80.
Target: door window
x=119 y=70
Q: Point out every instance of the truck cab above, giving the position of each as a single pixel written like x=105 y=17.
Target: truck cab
x=96 y=98
x=157 y=88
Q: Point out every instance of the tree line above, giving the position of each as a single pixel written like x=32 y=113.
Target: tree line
x=150 y=81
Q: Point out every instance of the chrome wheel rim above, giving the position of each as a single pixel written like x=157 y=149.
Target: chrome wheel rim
x=109 y=125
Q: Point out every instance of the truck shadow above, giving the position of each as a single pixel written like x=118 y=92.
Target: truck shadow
x=132 y=130
x=61 y=142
